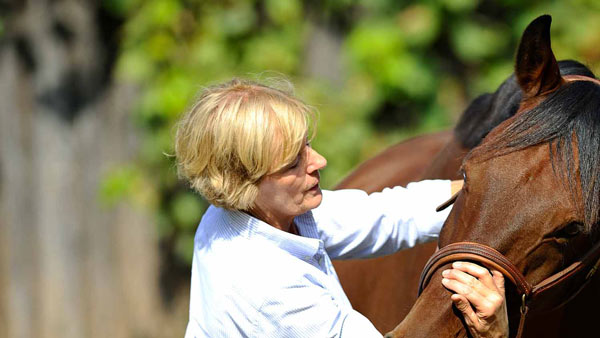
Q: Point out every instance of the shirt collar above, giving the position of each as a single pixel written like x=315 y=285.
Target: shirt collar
x=300 y=246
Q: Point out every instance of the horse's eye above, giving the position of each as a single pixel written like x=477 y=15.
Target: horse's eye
x=571 y=230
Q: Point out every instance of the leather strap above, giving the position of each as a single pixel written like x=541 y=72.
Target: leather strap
x=521 y=324
x=474 y=252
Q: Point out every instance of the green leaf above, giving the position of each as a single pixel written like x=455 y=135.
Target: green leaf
x=492 y=76
x=276 y=51
x=373 y=42
x=118 y=184
x=474 y=42
x=162 y=13
x=236 y=20
x=187 y=208
x=175 y=89
x=419 y=24
x=460 y=6
x=209 y=57
x=119 y=7
x=409 y=73
x=184 y=247
x=134 y=65
x=164 y=227
x=159 y=46
x=154 y=148
x=284 y=11
x=151 y=17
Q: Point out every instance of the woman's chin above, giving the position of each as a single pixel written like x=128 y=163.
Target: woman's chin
x=315 y=197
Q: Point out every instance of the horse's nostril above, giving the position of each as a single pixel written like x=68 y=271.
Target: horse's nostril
x=389 y=335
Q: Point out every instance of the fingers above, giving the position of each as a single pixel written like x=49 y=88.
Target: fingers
x=463 y=305
x=456 y=186
x=479 y=296
x=479 y=272
x=483 y=291
x=473 y=276
x=498 y=280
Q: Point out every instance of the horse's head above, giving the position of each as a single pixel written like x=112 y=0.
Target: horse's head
x=532 y=187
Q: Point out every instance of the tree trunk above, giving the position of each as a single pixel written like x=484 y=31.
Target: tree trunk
x=70 y=267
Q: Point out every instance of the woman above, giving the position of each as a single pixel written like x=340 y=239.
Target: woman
x=263 y=249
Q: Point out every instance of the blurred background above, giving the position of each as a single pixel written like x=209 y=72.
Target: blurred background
x=96 y=231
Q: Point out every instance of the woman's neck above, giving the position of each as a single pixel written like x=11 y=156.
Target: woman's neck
x=282 y=223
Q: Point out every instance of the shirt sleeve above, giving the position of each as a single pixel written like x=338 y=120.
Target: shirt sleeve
x=353 y=224
x=310 y=311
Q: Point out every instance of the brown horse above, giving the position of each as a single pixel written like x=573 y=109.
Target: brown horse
x=393 y=279
x=399 y=164
x=364 y=281
x=532 y=192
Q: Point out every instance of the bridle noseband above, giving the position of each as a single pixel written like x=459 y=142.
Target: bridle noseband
x=575 y=276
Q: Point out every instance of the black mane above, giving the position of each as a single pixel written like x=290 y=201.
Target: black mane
x=487 y=111
x=572 y=111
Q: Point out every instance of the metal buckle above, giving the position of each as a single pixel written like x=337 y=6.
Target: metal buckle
x=593 y=270
x=524 y=307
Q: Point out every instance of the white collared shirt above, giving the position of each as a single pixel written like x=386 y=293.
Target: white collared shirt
x=250 y=279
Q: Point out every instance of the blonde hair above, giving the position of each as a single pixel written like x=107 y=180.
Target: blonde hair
x=235 y=134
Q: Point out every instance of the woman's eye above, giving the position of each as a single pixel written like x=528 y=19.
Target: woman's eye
x=295 y=163
x=298 y=158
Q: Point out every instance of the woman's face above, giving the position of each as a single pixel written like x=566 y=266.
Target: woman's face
x=291 y=191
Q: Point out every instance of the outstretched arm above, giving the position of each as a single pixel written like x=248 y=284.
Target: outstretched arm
x=353 y=224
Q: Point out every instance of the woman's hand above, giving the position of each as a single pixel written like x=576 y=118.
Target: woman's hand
x=456 y=186
x=479 y=295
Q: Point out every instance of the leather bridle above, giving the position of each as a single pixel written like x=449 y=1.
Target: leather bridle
x=574 y=277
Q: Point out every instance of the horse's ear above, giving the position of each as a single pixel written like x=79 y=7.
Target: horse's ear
x=536 y=69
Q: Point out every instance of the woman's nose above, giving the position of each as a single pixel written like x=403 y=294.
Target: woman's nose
x=317 y=161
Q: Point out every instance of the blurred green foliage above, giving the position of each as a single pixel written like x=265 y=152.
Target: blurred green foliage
x=406 y=67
